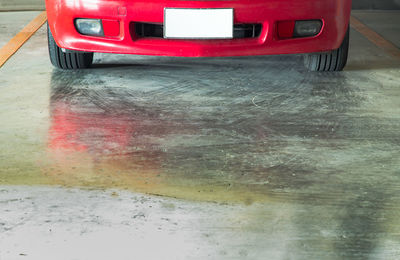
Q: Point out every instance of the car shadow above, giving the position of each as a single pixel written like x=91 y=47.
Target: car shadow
x=104 y=61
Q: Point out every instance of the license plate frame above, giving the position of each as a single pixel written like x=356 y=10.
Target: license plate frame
x=198 y=23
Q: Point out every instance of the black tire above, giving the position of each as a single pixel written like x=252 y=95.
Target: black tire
x=67 y=60
x=332 y=61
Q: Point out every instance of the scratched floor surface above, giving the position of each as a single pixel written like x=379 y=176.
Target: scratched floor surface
x=176 y=158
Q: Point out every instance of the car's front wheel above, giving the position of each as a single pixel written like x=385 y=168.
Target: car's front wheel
x=332 y=61
x=67 y=60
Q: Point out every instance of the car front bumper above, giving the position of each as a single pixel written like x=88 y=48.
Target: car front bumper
x=334 y=14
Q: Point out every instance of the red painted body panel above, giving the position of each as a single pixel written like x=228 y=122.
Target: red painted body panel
x=334 y=13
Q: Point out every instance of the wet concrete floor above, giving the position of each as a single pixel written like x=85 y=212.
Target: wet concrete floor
x=247 y=157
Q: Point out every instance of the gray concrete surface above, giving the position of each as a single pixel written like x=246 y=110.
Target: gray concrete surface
x=384 y=22
x=78 y=224
x=230 y=158
x=12 y=23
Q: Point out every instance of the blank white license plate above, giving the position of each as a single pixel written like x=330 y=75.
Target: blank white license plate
x=183 y=23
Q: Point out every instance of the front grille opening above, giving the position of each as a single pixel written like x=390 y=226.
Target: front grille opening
x=246 y=31
x=147 y=30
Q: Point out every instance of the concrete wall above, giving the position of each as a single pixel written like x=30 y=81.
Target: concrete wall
x=357 y=4
x=11 y=5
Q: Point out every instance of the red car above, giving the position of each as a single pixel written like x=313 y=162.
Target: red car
x=199 y=28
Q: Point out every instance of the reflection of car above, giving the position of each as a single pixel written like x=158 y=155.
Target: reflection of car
x=199 y=28
x=90 y=146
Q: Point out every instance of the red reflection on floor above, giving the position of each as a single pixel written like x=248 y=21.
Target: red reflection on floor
x=87 y=131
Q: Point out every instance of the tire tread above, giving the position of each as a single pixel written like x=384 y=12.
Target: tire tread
x=67 y=60
x=333 y=61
